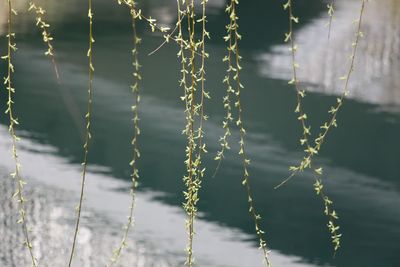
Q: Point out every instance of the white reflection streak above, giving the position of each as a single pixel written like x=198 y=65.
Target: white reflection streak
x=322 y=62
x=161 y=226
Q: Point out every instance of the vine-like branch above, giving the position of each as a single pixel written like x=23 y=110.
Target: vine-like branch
x=16 y=175
x=234 y=87
x=135 y=148
x=191 y=197
x=302 y=116
x=88 y=128
x=331 y=11
x=47 y=38
x=311 y=151
x=329 y=212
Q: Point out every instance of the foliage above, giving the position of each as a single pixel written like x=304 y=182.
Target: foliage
x=18 y=195
x=234 y=87
x=88 y=136
x=192 y=56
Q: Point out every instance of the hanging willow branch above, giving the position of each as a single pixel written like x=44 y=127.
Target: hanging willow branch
x=181 y=54
x=192 y=77
x=300 y=94
x=88 y=128
x=326 y=127
x=16 y=175
x=193 y=84
x=302 y=116
x=331 y=11
x=234 y=87
x=312 y=151
x=329 y=212
x=203 y=93
x=136 y=154
x=227 y=99
x=47 y=38
x=192 y=186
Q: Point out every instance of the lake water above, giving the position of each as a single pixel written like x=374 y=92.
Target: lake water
x=360 y=157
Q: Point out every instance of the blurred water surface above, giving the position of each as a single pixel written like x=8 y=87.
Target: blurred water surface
x=360 y=157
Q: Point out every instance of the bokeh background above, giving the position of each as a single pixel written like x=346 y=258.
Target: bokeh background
x=360 y=158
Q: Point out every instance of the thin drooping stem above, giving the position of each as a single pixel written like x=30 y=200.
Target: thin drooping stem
x=295 y=81
x=135 y=148
x=238 y=86
x=228 y=119
x=16 y=175
x=168 y=36
x=203 y=93
x=311 y=151
x=191 y=198
x=300 y=94
x=47 y=38
x=88 y=129
x=192 y=76
x=181 y=54
x=198 y=135
x=330 y=212
x=326 y=127
x=187 y=95
x=331 y=11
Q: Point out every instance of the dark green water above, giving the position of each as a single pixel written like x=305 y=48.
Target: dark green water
x=360 y=158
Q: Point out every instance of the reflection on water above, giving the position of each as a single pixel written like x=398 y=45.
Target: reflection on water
x=50 y=217
x=360 y=157
x=323 y=61
x=158 y=237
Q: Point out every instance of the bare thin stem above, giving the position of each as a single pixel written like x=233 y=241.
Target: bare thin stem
x=136 y=133
x=331 y=11
x=20 y=183
x=170 y=35
x=88 y=129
